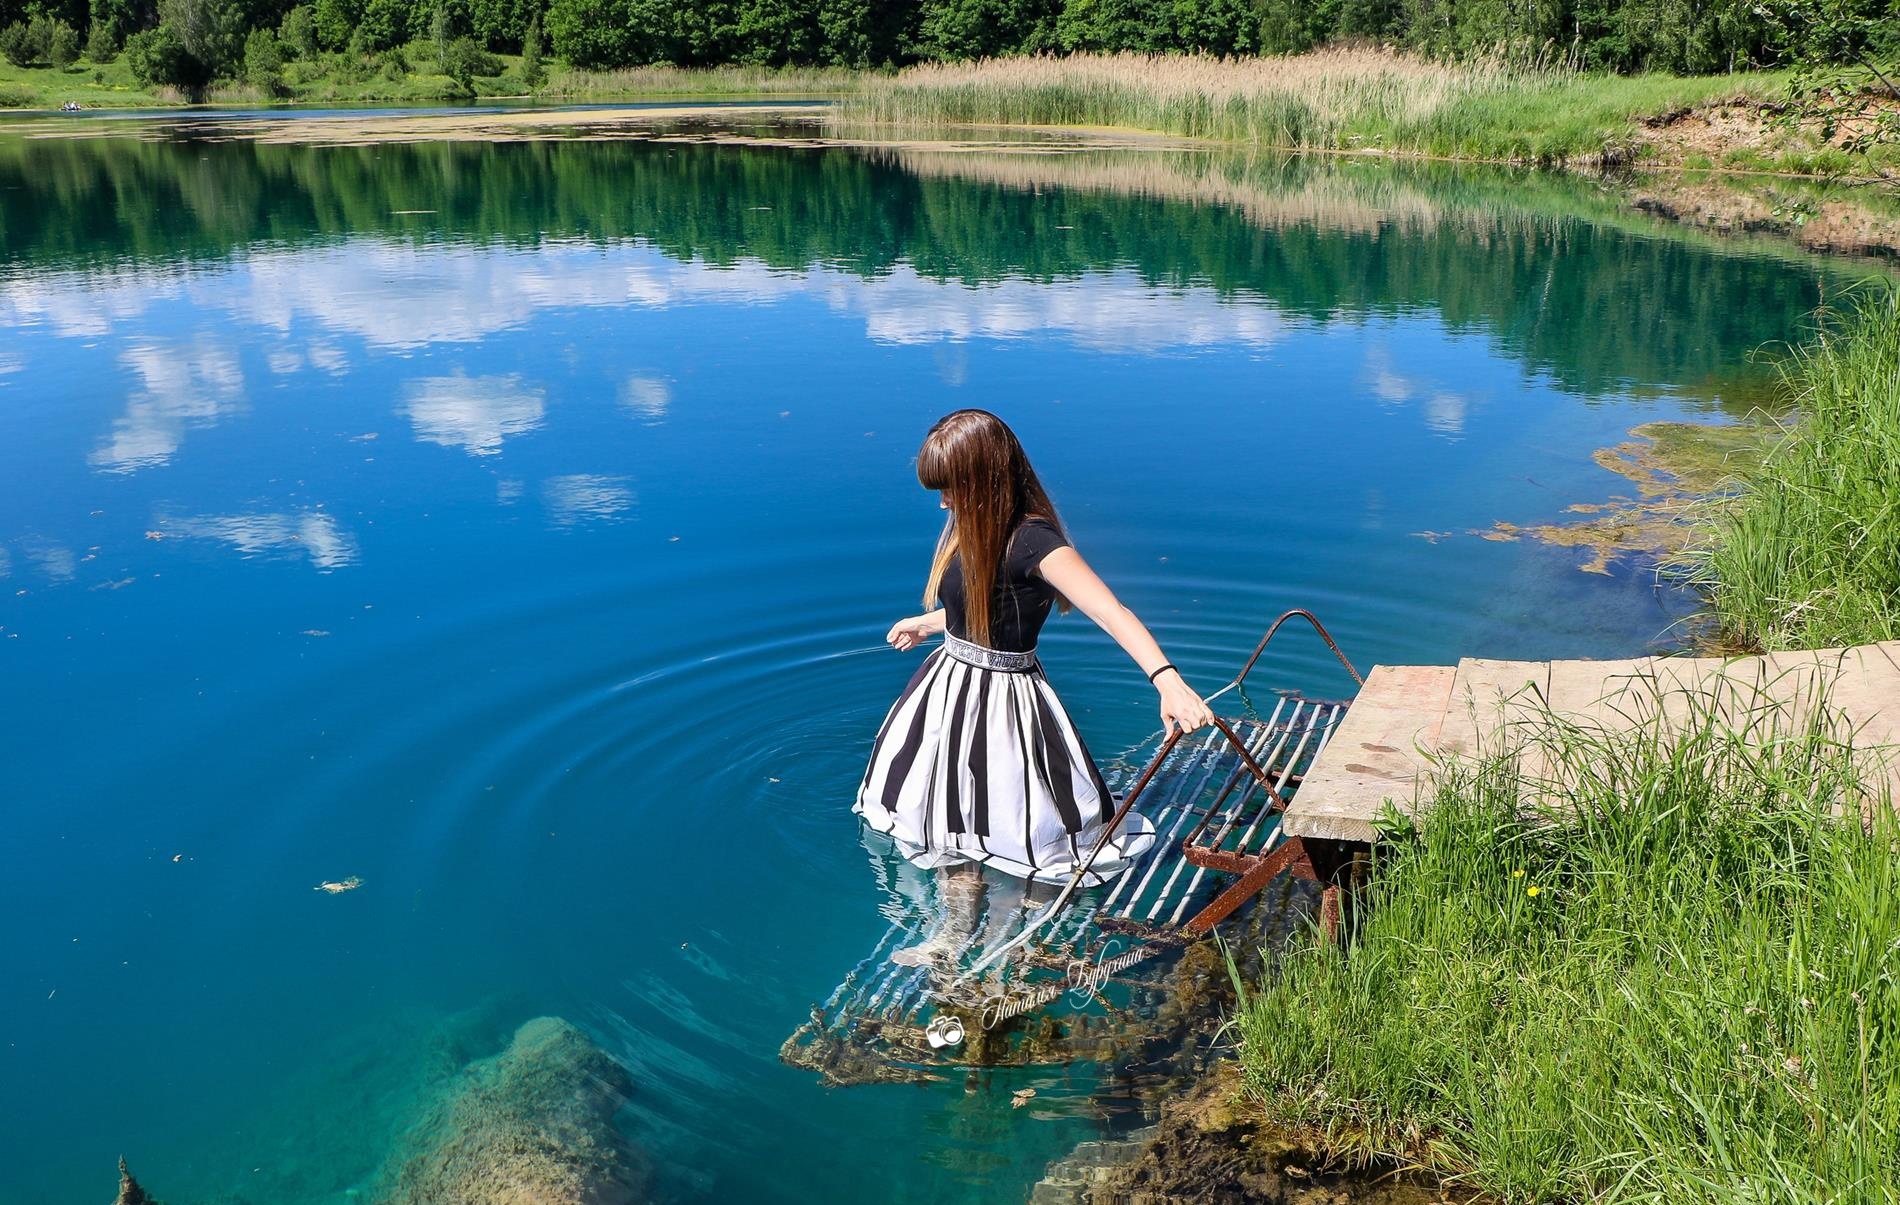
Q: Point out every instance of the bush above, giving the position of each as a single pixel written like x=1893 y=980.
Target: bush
x=532 y=73
x=158 y=57
x=264 y=60
x=465 y=61
x=62 y=47
x=16 y=44
x=297 y=35
x=591 y=33
x=102 y=41
x=15 y=97
x=335 y=21
x=385 y=23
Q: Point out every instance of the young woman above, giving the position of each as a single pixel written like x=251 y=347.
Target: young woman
x=977 y=760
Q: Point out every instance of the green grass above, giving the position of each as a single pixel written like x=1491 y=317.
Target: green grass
x=1807 y=554
x=337 y=79
x=1681 y=988
x=1344 y=99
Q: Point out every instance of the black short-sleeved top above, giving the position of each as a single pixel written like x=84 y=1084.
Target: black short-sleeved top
x=1021 y=600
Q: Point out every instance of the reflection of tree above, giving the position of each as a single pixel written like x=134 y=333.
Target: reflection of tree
x=1597 y=305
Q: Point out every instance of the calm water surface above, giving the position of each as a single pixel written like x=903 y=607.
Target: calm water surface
x=514 y=527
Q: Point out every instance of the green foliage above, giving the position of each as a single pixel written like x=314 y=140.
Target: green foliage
x=466 y=61
x=335 y=21
x=1807 y=555
x=211 y=32
x=159 y=57
x=384 y=23
x=298 y=33
x=102 y=41
x=62 y=45
x=264 y=60
x=976 y=29
x=1671 y=980
x=591 y=33
x=533 y=74
x=16 y=45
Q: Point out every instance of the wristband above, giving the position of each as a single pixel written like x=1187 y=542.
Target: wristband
x=1165 y=667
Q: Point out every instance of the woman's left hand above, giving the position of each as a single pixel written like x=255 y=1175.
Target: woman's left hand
x=1181 y=708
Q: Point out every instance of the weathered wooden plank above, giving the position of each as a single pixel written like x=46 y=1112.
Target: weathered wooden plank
x=1602 y=692
x=1488 y=698
x=1374 y=754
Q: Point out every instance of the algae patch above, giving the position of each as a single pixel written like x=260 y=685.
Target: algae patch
x=1677 y=468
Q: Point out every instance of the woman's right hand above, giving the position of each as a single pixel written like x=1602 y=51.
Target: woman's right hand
x=907 y=634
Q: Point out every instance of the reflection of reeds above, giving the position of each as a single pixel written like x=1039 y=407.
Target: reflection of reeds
x=1303 y=100
x=1268 y=198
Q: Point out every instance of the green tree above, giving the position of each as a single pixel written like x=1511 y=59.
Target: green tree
x=466 y=62
x=335 y=21
x=970 y=29
x=102 y=41
x=62 y=45
x=384 y=23
x=777 y=33
x=532 y=72
x=208 y=30
x=159 y=56
x=592 y=33
x=264 y=61
x=16 y=44
x=297 y=34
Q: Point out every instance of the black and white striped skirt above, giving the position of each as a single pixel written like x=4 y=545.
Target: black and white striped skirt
x=978 y=761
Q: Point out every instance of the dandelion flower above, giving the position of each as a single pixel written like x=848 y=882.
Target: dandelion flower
x=1532 y=890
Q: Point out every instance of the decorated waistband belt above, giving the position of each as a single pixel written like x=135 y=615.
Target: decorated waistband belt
x=988 y=658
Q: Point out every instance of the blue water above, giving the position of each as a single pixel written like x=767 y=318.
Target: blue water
x=514 y=528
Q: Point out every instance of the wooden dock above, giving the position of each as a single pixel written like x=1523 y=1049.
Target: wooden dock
x=1407 y=715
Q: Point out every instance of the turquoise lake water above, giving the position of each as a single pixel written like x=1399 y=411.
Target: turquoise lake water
x=514 y=527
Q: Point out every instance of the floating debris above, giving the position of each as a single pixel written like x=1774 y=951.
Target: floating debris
x=349 y=884
x=154 y=535
x=1021 y=1097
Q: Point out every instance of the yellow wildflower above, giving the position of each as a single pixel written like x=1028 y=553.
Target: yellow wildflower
x=1532 y=890
x=1517 y=874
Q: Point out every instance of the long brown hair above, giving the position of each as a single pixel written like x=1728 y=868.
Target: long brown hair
x=985 y=476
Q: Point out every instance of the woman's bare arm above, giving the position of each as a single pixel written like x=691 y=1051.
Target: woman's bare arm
x=1065 y=569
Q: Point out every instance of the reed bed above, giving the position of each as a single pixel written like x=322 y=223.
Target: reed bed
x=1678 y=983
x=663 y=80
x=1807 y=554
x=1340 y=98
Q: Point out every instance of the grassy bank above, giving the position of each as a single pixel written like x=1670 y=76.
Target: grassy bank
x=1680 y=981
x=1365 y=99
x=408 y=77
x=1681 y=989
x=1808 y=554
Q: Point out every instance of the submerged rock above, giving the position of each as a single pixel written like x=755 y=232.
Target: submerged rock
x=1210 y=1148
x=129 y=1191
x=533 y=1125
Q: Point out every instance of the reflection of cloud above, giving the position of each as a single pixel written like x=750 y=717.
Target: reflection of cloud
x=647 y=396
x=1445 y=411
x=396 y=296
x=475 y=413
x=1101 y=312
x=580 y=497
x=6 y=563
x=508 y=491
x=56 y=562
x=182 y=387
x=10 y=363
x=313 y=533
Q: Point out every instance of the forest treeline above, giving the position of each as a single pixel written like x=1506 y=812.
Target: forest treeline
x=190 y=42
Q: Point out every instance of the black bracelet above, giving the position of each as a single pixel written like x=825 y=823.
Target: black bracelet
x=1164 y=669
